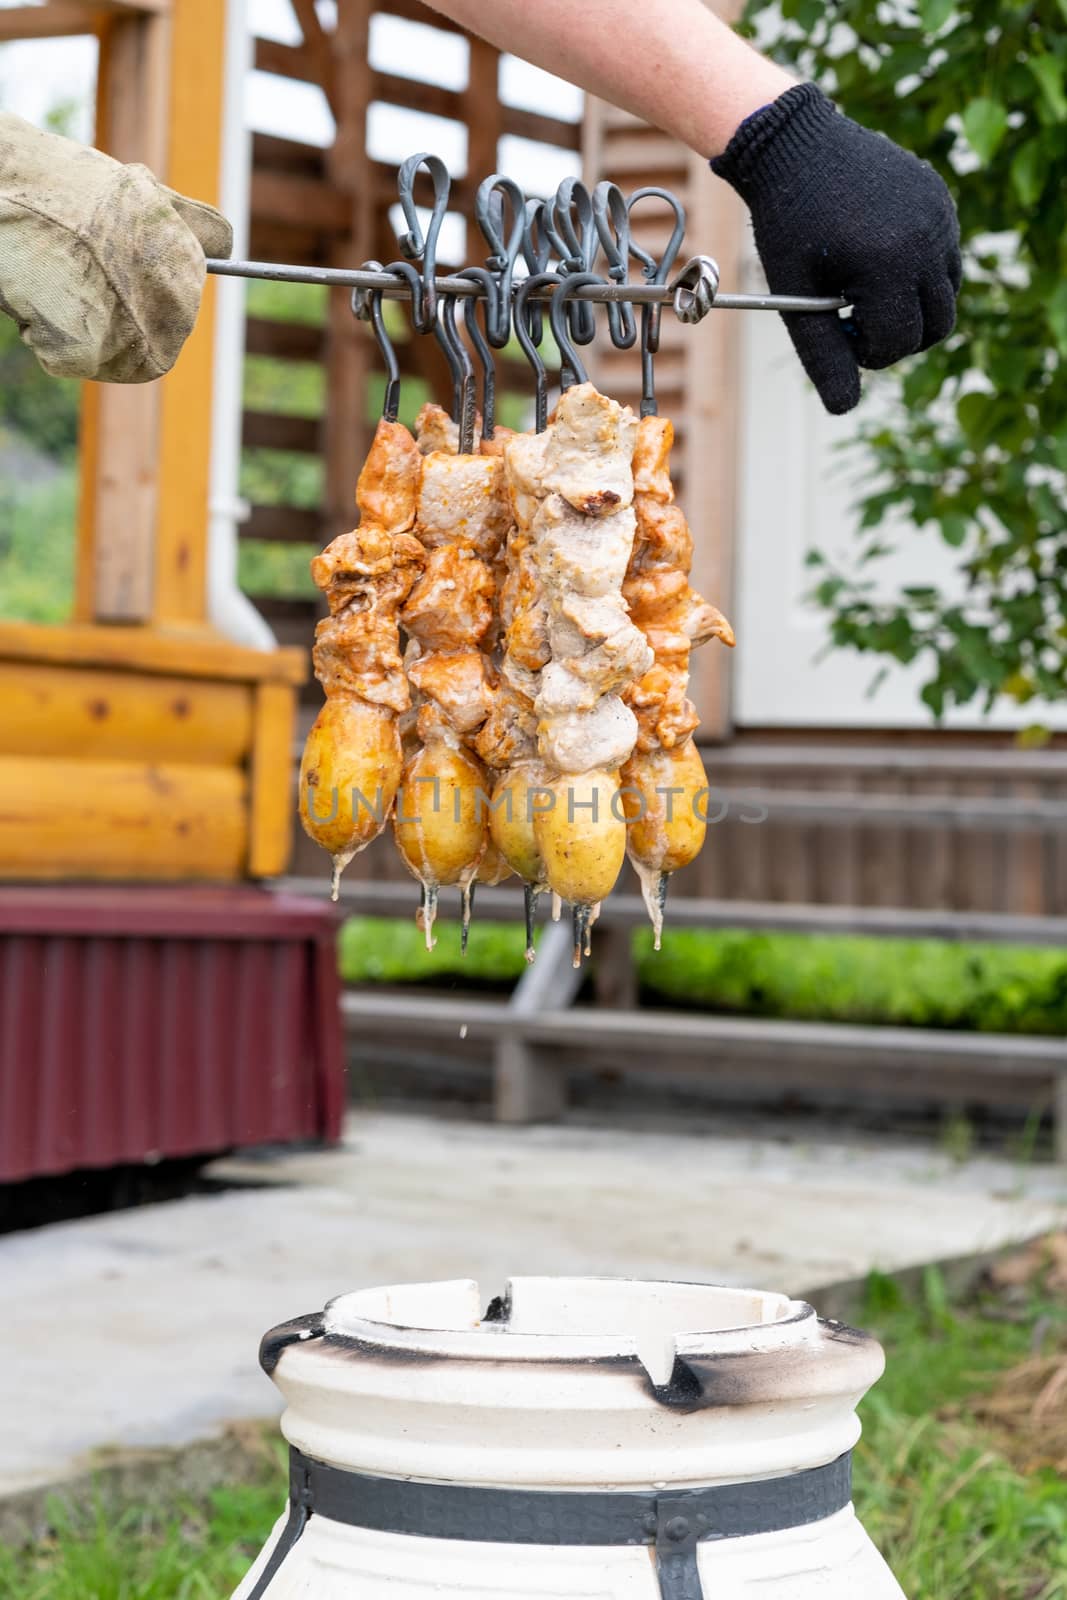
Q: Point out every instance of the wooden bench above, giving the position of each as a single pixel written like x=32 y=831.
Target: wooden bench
x=536 y=1030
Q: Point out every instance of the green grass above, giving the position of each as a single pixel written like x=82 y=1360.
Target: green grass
x=954 y=1518
x=920 y=983
x=199 y=1551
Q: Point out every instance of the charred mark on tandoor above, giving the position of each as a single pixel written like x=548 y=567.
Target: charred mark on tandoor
x=299 y=1330
x=707 y=1382
x=760 y=1377
x=697 y=1382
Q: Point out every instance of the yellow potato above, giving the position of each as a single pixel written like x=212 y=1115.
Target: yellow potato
x=581 y=838
x=511 y=825
x=440 y=824
x=493 y=867
x=349 y=774
x=665 y=796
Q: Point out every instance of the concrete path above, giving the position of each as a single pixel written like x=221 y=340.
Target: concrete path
x=141 y=1328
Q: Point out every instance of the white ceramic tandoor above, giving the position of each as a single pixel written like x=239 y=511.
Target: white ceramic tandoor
x=577 y=1439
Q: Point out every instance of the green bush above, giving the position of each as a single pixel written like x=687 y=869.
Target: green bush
x=975 y=451
x=905 y=983
x=37 y=539
x=910 y=983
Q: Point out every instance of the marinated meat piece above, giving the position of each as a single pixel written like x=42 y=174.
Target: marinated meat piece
x=463 y=498
x=435 y=430
x=673 y=619
x=581 y=554
x=351 y=766
x=389 y=483
x=652 y=455
x=458 y=685
x=509 y=733
x=579 y=741
x=590 y=451
x=451 y=606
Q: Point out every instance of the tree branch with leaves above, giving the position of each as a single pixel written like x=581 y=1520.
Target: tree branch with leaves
x=974 y=451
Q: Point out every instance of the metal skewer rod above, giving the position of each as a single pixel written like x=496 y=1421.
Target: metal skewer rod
x=394 y=288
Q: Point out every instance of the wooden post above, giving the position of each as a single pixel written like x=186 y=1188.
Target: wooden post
x=194 y=168
x=120 y=424
x=712 y=405
x=480 y=109
x=528 y=1084
x=1059 y=1116
x=698 y=368
x=270 y=820
x=347 y=434
x=146 y=449
x=614 y=974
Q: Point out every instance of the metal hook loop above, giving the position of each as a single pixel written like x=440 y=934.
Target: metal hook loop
x=412 y=243
x=695 y=288
x=654 y=271
x=482 y=343
x=569 y=223
x=526 y=315
x=367 y=307
x=489 y=211
x=612 y=219
x=573 y=370
x=461 y=368
x=537 y=252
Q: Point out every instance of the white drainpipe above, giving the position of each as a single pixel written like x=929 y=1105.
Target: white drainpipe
x=231 y=612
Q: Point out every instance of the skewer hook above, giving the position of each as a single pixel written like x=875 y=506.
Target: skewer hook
x=412 y=243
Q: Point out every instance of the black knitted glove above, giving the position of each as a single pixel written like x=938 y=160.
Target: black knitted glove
x=837 y=209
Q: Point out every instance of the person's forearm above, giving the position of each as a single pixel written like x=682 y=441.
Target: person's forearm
x=671 y=62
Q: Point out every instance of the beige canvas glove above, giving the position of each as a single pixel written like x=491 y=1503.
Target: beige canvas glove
x=101 y=265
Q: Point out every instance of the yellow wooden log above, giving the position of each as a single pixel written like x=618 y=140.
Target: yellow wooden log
x=146 y=650
x=270 y=821
x=122 y=716
x=197 y=49
x=114 y=819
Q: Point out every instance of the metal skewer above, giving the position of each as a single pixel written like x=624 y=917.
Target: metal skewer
x=395 y=288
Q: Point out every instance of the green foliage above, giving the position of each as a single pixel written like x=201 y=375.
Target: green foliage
x=908 y=983
x=976 y=450
x=44 y=410
x=269 y=567
x=918 y=983
x=386 y=950
x=37 y=547
x=286 y=302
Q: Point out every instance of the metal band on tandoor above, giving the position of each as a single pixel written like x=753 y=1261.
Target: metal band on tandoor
x=672 y=1522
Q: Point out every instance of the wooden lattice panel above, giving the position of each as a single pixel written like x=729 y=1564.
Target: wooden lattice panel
x=331 y=207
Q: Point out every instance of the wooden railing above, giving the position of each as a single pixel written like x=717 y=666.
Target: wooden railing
x=538 y=1035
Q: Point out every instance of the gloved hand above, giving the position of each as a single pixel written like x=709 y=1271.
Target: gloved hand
x=837 y=209
x=101 y=265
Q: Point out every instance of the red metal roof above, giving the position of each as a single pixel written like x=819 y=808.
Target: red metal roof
x=141 y=1023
